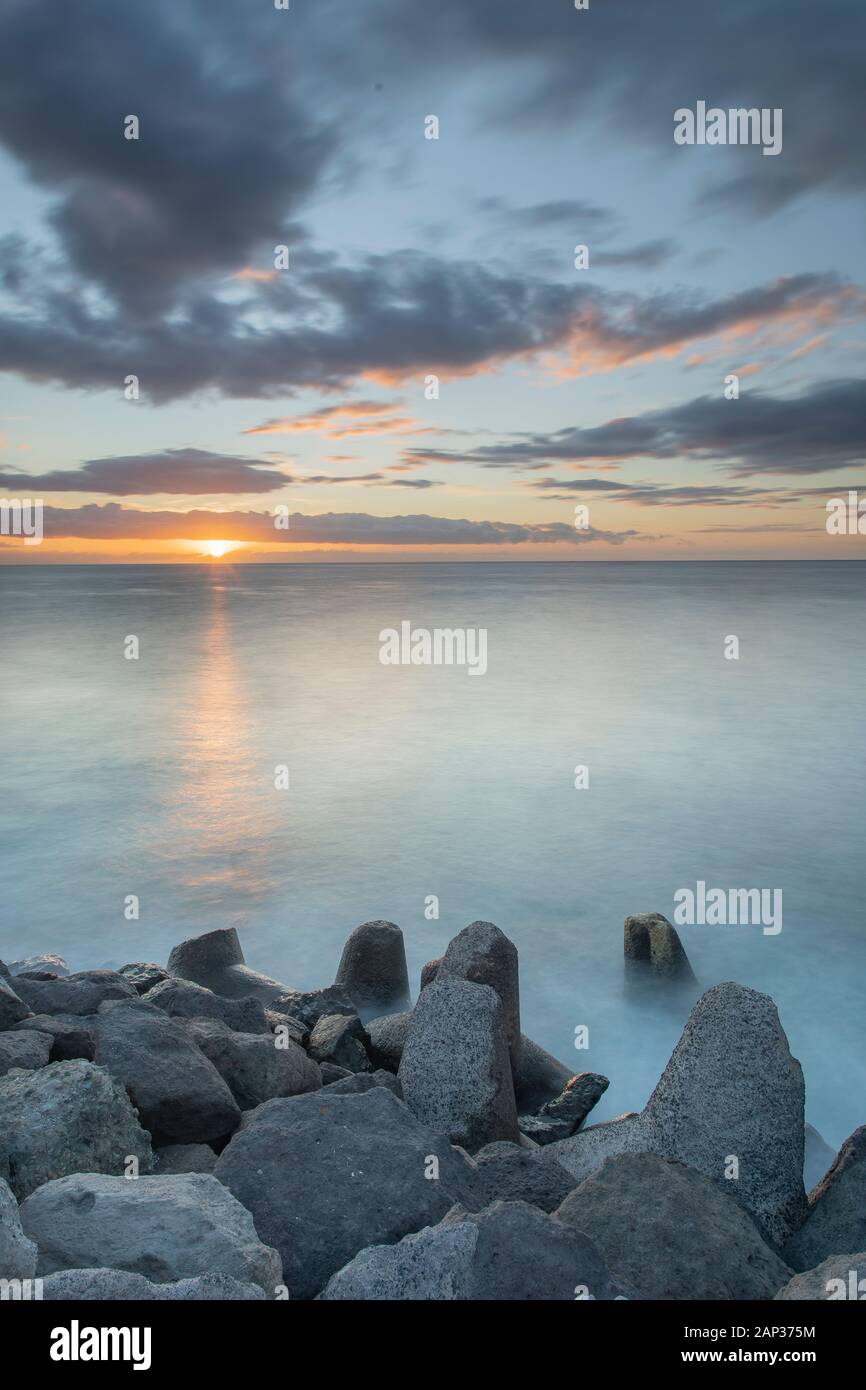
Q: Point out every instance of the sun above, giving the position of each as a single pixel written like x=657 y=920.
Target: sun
x=217 y=549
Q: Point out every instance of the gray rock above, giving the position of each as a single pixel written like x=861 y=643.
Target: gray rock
x=483 y=954
x=308 y=1006
x=387 y=1038
x=216 y=961
x=650 y=941
x=5 y=972
x=330 y=1073
x=71 y=1037
x=12 y=1006
x=184 y=1158
x=253 y=1067
x=117 y=1285
x=671 y=1233
x=78 y=994
x=429 y=972
x=455 y=1070
x=817 y=1158
x=362 y=1081
x=840 y=1277
x=70 y=1117
x=325 y=1175
x=373 y=971
x=513 y=1174
x=144 y=975
x=17 y=1253
x=165 y=1228
x=180 y=1095
x=340 y=1039
x=181 y=999
x=538 y=1077
x=562 y=1117
x=55 y=964
x=27 y=1050
x=836 y=1214
x=287 y=1027
x=730 y=1090
x=510 y=1251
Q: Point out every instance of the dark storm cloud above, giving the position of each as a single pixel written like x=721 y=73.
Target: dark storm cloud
x=187 y=472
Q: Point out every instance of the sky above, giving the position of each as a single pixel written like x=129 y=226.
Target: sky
x=283 y=318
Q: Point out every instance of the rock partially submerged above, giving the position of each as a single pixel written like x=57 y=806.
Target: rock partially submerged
x=373 y=971
x=216 y=961
x=651 y=943
x=836 y=1215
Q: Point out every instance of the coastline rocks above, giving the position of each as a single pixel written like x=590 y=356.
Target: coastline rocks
x=429 y=972
x=373 y=971
x=671 y=1233
x=79 y=994
x=455 y=1069
x=839 y=1277
x=144 y=975
x=182 y=999
x=650 y=940
x=27 y=1050
x=538 y=1077
x=308 y=1006
x=116 y=1285
x=836 y=1216
x=12 y=1006
x=341 y=1040
x=17 y=1253
x=70 y=1117
x=509 y=1251
x=216 y=961
x=513 y=1174
x=560 y=1118
x=326 y=1175
x=731 y=1090
x=183 y=1158
x=817 y=1158
x=332 y=1074
x=362 y=1081
x=387 y=1038
x=483 y=954
x=49 y=961
x=71 y=1037
x=180 y=1096
x=253 y=1067
x=165 y=1228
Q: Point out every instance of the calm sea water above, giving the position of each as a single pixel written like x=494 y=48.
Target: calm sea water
x=156 y=778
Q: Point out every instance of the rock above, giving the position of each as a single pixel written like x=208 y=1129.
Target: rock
x=70 y=1117
x=817 y=1159
x=340 y=1039
x=12 y=1006
x=483 y=954
x=387 y=1038
x=730 y=1090
x=78 y=994
x=71 y=1037
x=114 y=1285
x=184 y=1158
x=180 y=1095
x=144 y=975
x=55 y=964
x=181 y=999
x=216 y=961
x=373 y=971
x=325 y=1175
x=429 y=972
x=671 y=1233
x=165 y=1228
x=562 y=1117
x=839 y=1277
x=836 y=1214
x=27 y=1050
x=253 y=1067
x=311 y=1005
x=538 y=1077
x=5 y=972
x=512 y=1174
x=362 y=1081
x=649 y=940
x=289 y=1027
x=330 y=1073
x=455 y=1070
x=510 y=1251
x=17 y=1253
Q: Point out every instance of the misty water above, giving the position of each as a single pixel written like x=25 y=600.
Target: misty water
x=155 y=777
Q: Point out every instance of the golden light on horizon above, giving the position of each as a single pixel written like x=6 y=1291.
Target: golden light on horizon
x=217 y=549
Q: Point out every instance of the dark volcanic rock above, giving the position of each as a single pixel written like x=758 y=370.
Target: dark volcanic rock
x=144 y=975
x=27 y=1049
x=671 y=1233
x=117 y=1285
x=182 y=999
x=253 y=1067
x=817 y=1159
x=308 y=1006
x=340 y=1039
x=12 y=1006
x=216 y=961
x=483 y=954
x=429 y=972
x=17 y=1253
x=387 y=1038
x=373 y=971
x=330 y=1074
x=179 y=1094
x=184 y=1158
x=538 y=1077
x=836 y=1216
x=513 y=1174
x=563 y=1117
x=841 y=1277
x=650 y=940
x=325 y=1175
x=362 y=1081
x=71 y=1036
x=78 y=994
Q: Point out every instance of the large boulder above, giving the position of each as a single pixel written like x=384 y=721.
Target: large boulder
x=117 y=1285
x=70 y=1117
x=483 y=954
x=325 y=1175
x=216 y=961
x=48 y=961
x=387 y=1038
x=373 y=971
x=671 y=1233
x=538 y=1077
x=836 y=1214
x=514 y=1174
x=179 y=1094
x=184 y=1158
x=17 y=1253
x=27 y=1050
x=340 y=1039
x=78 y=994
x=165 y=1228
x=144 y=974
x=455 y=1070
x=731 y=1097
x=308 y=1006
x=357 y=1084
x=13 y=1006
x=70 y=1037
x=182 y=999
x=510 y=1251
x=841 y=1277
x=651 y=943
x=563 y=1116
x=253 y=1067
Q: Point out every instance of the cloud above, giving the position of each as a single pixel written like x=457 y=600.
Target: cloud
x=183 y=471
x=655 y=495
